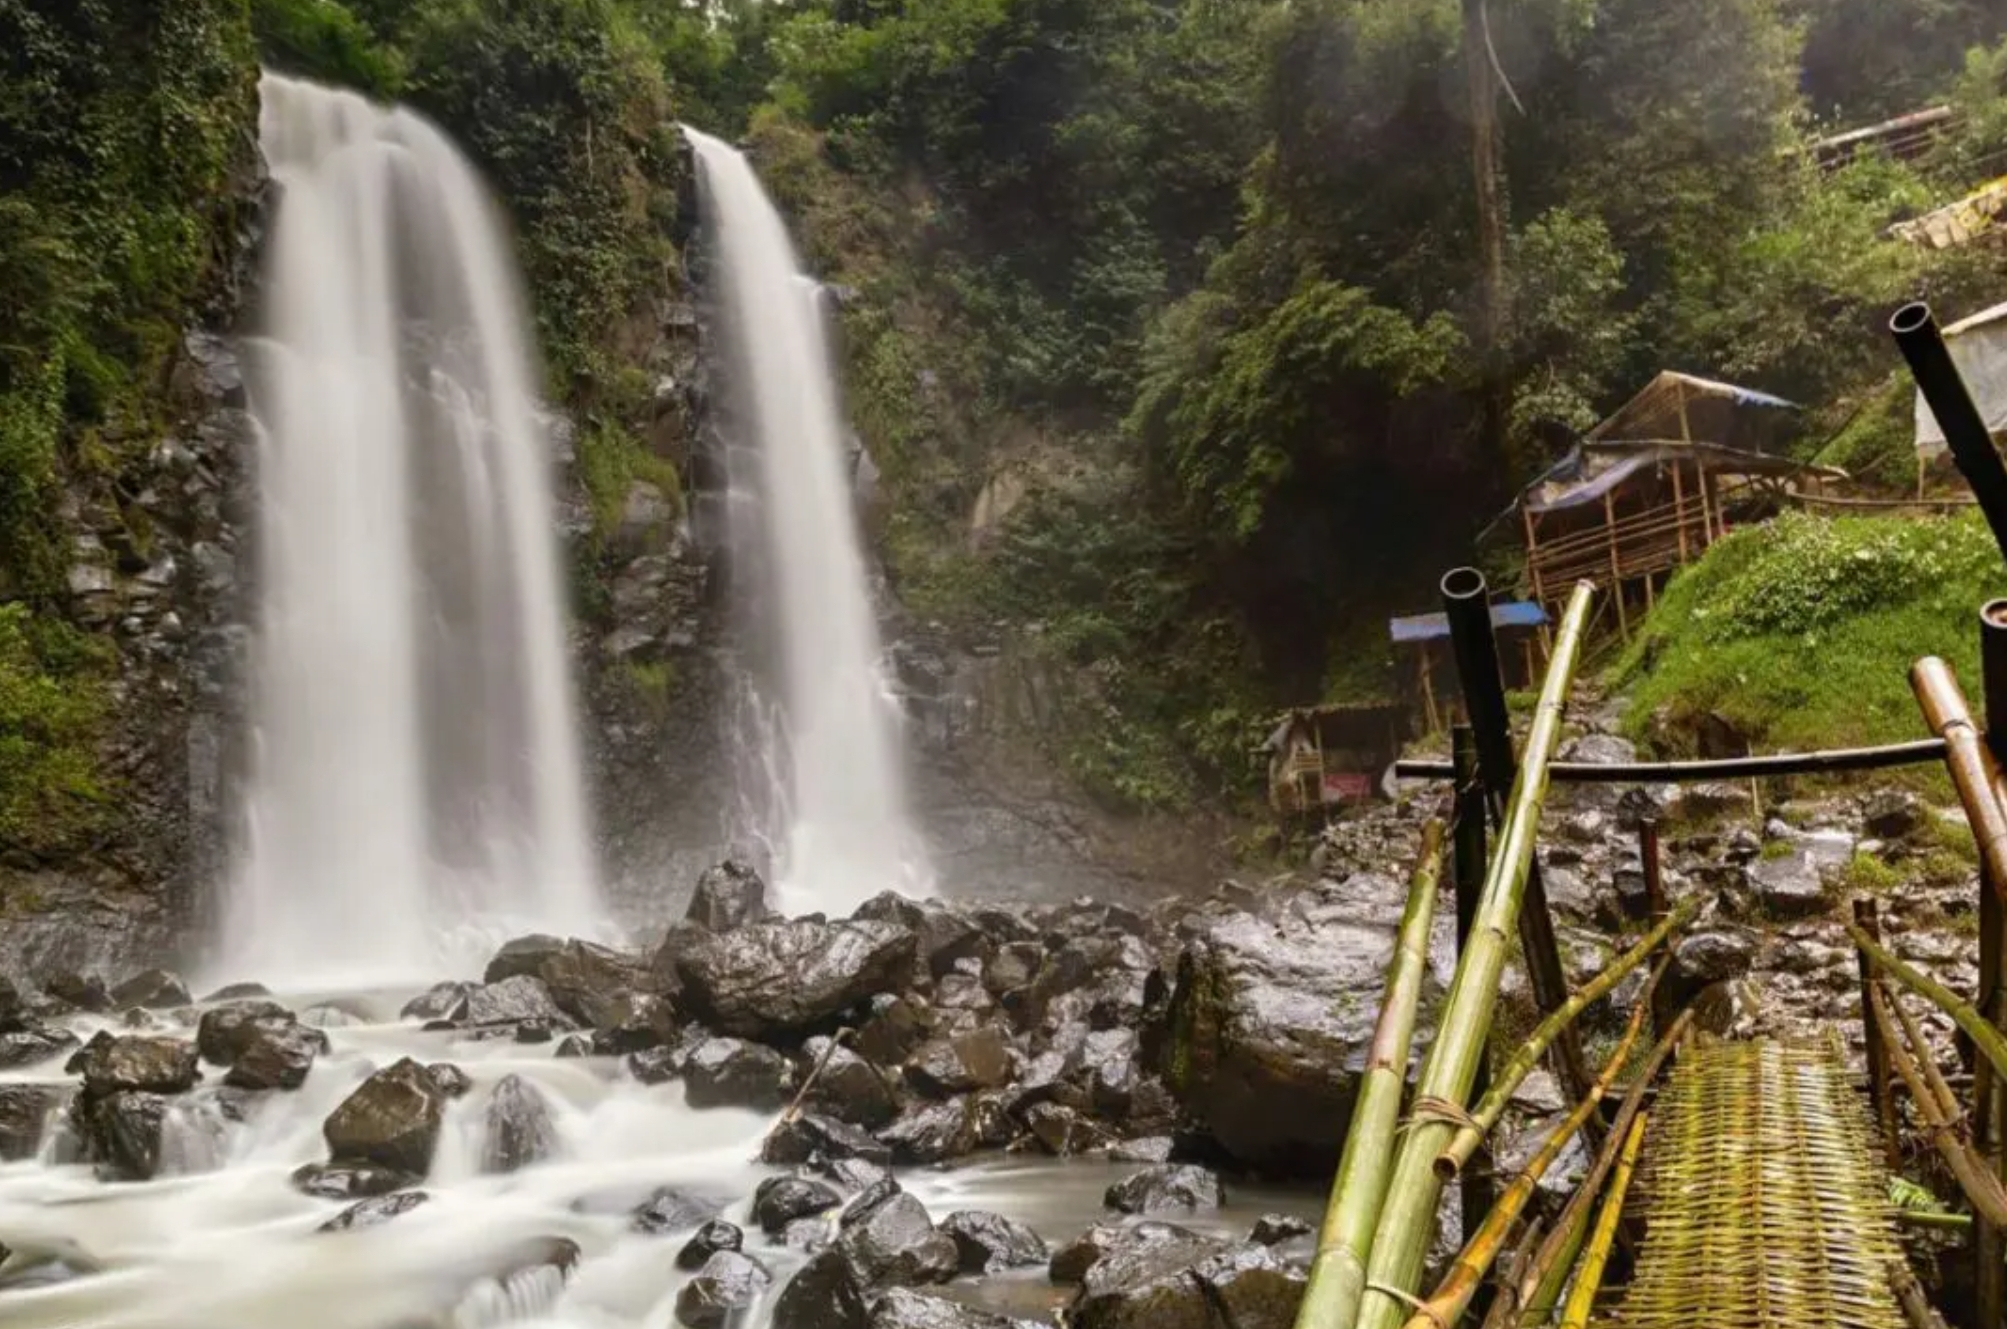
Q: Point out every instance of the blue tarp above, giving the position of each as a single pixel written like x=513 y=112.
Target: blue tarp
x=1434 y=627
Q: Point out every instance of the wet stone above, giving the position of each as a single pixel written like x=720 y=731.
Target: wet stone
x=711 y=1238
x=277 y=1058
x=729 y=1072
x=374 y=1211
x=903 y=1308
x=1275 y=1229
x=391 y=1120
x=155 y=990
x=1166 y=1188
x=25 y=1111
x=729 y=1282
x=810 y=1136
x=347 y=1181
x=989 y=1243
x=225 y=1031
x=781 y=1200
x=443 y=1001
x=148 y=1065
x=520 y=1130
x=672 y=1210
x=847 y=1087
x=895 y=1242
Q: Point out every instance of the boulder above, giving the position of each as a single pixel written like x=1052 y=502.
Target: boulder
x=715 y=1236
x=847 y=1087
x=1166 y=1188
x=944 y=935
x=1072 y=1262
x=34 y=1043
x=894 y=1030
x=513 y=1000
x=903 y=1308
x=990 y=1243
x=1062 y=1130
x=374 y=1211
x=979 y=1059
x=727 y=896
x=140 y=1063
x=520 y=1129
x=1893 y=814
x=277 y=1058
x=154 y=990
x=1013 y=966
x=728 y=1284
x=934 y=1133
x=591 y=983
x=1267 y=1029
x=225 y=1031
x=895 y=1242
x=670 y=1209
x=655 y=1065
x=1177 y=1285
x=1275 y=1229
x=449 y=1079
x=79 y=992
x=781 y=1200
x=809 y=1136
x=346 y=1181
x=772 y=980
x=634 y=1022
x=391 y=1120
x=1702 y=958
x=121 y=1131
x=25 y=1110
x=729 y=1072
x=1787 y=886
x=829 y=1292
x=442 y=1001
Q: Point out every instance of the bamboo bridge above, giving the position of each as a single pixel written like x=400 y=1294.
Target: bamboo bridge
x=1752 y=1189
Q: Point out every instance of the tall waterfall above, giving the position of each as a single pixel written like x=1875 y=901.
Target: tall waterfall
x=416 y=763
x=843 y=831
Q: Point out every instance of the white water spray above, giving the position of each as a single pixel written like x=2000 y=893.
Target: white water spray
x=417 y=765
x=844 y=831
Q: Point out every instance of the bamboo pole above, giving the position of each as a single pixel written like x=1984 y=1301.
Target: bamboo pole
x=1616 y=563
x=1452 y=1298
x=1503 y=1314
x=1916 y=752
x=1970 y=762
x=1540 y=1287
x=1981 y=1187
x=1486 y=1114
x=1400 y=1244
x=1868 y=917
x=1574 y=1219
x=1679 y=506
x=1338 y=1273
x=1582 y=1300
x=1989 y=1041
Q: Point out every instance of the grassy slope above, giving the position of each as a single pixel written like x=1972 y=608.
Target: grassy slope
x=1801 y=632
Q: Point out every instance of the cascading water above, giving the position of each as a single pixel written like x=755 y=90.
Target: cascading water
x=840 y=822
x=416 y=765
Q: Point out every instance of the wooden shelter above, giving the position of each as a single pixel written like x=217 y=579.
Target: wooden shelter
x=1653 y=486
x=1325 y=757
x=1425 y=638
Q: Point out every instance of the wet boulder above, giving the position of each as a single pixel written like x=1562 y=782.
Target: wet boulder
x=25 y=1111
x=78 y=992
x=772 y=980
x=591 y=983
x=727 y=1285
x=517 y=999
x=729 y=1072
x=634 y=1022
x=375 y=1211
x=895 y=1242
x=154 y=990
x=672 y=1209
x=449 y=1079
x=728 y=895
x=829 y=1292
x=1013 y=966
x=520 y=1129
x=1072 y=1262
x=944 y=936
x=903 y=1308
x=987 y=1243
x=847 y=1087
x=936 y=1132
x=1267 y=1029
x=34 y=1043
x=1166 y=1188
x=348 y=1181
x=653 y=1066
x=442 y=1001
x=894 y=1030
x=979 y=1059
x=137 y=1062
x=1188 y=1285
x=225 y=1031
x=277 y=1058
x=392 y=1120
x=1275 y=1229
x=1786 y=886
x=121 y=1132
x=715 y=1236
x=810 y=1136
x=781 y=1200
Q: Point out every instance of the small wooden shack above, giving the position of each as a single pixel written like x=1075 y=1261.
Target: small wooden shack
x=1653 y=486
x=1321 y=758
x=1424 y=653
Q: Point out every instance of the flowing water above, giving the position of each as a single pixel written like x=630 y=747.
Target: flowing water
x=825 y=753
x=222 y=1240
x=417 y=779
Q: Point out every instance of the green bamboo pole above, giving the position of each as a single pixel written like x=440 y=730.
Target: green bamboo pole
x=1338 y=1273
x=1988 y=1040
x=1492 y=1106
x=1542 y=1285
x=1478 y=1255
x=1582 y=1299
x=1401 y=1242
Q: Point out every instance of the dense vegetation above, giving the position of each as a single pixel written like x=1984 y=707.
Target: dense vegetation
x=1242 y=315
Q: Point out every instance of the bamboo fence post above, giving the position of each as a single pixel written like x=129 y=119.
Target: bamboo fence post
x=1679 y=507
x=1653 y=862
x=1973 y=770
x=1989 y=1091
x=1867 y=918
x=1988 y=1041
x=1616 y=564
x=1491 y=1107
x=1588 y=1282
x=1504 y=1312
x=1469 y=843
x=1453 y=1297
x=1549 y=1263
x=1359 y=1190
x=1400 y=1244
x=1981 y=1187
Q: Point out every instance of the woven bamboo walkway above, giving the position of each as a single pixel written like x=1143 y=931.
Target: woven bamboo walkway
x=1765 y=1199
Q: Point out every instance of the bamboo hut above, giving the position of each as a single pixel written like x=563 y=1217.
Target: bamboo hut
x=1653 y=486
x=1322 y=758
x=1423 y=644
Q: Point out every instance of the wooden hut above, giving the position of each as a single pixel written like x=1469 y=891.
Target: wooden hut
x=1321 y=758
x=1653 y=486
x=1425 y=655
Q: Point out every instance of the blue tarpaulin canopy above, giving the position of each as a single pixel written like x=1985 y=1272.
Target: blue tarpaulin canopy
x=1592 y=470
x=1434 y=627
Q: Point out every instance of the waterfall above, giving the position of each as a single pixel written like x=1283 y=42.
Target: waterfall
x=839 y=824
x=416 y=766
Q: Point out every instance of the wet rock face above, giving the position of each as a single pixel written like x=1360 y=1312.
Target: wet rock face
x=713 y=1237
x=277 y=1058
x=810 y=1136
x=121 y=1132
x=1175 y=1280
x=770 y=981
x=828 y=1293
x=516 y=1000
x=147 y=1065
x=728 y=1283
x=392 y=1120
x=225 y=1031
x=154 y=990
x=729 y=1072
x=729 y=895
x=990 y=1243
x=847 y=1087
x=1266 y=1033
x=25 y=1110
x=520 y=1128
x=903 y=1308
x=32 y=1043
x=894 y=1242
x=781 y=1200
x=1166 y=1188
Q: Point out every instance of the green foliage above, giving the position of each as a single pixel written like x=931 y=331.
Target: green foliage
x=322 y=40
x=1867 y=875
x=1876 y=447
x=652 y=684
x=53 y=707
x=610 y=460
x=1801 y=632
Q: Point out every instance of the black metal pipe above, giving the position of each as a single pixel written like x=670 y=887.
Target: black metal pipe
x=1965 y=432
x=1474 y=645
x=1920 y=752
x=1468 y=853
